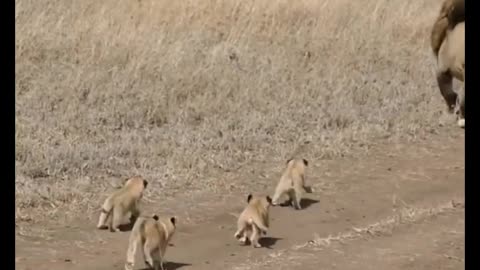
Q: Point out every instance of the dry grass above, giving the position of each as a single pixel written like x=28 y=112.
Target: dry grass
x=184 y=92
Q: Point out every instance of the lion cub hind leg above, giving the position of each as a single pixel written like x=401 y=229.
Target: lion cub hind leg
x=151 y=253
x=157 y=253
x=281 y=190
x=255 y=236
x=242 y=231
x=159 y=260
x=104 y=219
x=296 y=197
x=241 y=225
x=134 y=241
x=118 y=214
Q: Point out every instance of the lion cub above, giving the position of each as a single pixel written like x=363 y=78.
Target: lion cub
x=253 y=221
x=121 y=202
x=153 y=234
x=292 y=183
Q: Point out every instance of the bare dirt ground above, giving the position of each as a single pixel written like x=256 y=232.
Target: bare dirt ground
x=207 y=100
x=401 y=206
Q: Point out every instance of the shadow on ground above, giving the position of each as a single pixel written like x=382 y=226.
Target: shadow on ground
x=305 y=203
x=170 y=266
x=268 y=242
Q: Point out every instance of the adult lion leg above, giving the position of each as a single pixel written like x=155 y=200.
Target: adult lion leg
x=445 y=83
x=461 y=107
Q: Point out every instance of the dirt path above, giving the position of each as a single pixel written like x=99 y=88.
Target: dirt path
x=398 y=208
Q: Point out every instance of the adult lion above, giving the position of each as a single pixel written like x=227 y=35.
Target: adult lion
x=448 y=44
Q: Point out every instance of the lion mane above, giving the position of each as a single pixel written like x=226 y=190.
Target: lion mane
x=451 y=13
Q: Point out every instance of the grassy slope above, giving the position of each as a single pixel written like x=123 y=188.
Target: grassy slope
x=182 y=92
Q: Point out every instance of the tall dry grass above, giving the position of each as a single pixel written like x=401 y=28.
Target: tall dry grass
x=188 y=93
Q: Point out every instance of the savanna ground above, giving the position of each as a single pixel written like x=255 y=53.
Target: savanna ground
x=207 y=100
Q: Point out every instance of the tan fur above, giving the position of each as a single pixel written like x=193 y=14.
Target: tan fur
x=254 y=220
x=292 y=183
x=448 y=44
x=121 y=202
x=451 y=13
x=153 y=234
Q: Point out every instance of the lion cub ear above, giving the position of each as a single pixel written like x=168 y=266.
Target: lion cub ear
x=305 y=162
x=269 y=200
